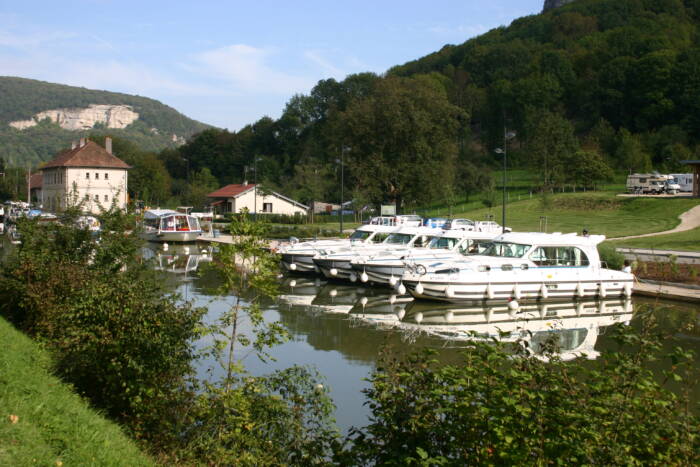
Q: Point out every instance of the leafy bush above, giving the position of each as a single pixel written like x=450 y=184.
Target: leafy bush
x=113 y=331
x=610 y=256
x=491 y=408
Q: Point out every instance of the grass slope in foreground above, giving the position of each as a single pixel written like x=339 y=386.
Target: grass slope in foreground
x=600 y=213
x=54 y=426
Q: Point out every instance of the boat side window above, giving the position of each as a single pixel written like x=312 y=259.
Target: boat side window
x=421 y=241
x=559 y=256
x=359 y=235
x=445 y=243
x=506 y=250
x=380 y=237
x=398 y=239
x=182 y=223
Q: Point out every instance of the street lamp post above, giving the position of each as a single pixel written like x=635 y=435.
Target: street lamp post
x=506 y=136
x=342 y=184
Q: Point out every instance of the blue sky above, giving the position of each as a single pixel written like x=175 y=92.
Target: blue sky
x=228 y=63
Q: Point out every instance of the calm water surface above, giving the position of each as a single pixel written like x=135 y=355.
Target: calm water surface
x=340 y=328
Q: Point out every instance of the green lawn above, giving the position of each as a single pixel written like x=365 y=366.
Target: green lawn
x=681 y=241
x=599 y=212
x=53 y=425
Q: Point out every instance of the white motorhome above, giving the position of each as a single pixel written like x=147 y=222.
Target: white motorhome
x=646 y=183
x=684 y=181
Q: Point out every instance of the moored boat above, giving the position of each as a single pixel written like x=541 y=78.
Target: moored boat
x=165 y=225
x=521 y=266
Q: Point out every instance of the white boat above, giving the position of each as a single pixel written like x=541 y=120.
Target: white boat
x=387 y=268
x=521 y=266
x=90 y=223
x=298 y=257
x=338 y=264
x=165 y=225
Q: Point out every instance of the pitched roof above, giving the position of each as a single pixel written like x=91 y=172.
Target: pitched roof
x=89 y=155
x=36 y=181
x=230 y=191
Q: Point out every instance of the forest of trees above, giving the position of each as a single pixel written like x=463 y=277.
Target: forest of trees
x=592 y=88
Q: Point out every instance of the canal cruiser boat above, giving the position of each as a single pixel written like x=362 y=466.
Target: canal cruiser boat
x=298 y=257
x=388 y=268
x=338 y=264
x=521 y=266
x=165 y=225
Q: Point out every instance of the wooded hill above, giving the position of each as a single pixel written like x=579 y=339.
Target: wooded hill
x=21 y=99
x=592 y=87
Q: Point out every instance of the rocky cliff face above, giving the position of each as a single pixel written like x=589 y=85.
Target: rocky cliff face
x=551 y=4
x=112 y=116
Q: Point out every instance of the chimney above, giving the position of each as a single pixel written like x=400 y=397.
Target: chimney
x=73 y=144
x=108 y=144
x=82 y=142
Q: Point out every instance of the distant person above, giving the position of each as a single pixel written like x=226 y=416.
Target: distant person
x=627 y=266
x=585 y=232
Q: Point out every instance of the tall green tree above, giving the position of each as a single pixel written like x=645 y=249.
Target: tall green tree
x=402 y=140
x=551 y=143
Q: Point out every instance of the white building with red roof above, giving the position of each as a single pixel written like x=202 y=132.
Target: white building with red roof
x=86 y=173
x=236 y=197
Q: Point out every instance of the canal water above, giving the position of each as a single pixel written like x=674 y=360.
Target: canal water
x=340 y=328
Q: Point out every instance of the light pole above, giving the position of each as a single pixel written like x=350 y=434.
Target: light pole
x=506 y=136
x=342 y=184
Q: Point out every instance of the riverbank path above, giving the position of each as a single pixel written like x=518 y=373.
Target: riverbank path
x=689 y=221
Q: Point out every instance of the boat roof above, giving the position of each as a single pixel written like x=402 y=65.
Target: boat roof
x=553 y=239
x=458 y=233
x=151 y=213
x=377 y=228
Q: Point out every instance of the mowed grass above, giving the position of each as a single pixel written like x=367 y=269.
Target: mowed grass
x=681 y=241
x=53 y=426
x=598 y=212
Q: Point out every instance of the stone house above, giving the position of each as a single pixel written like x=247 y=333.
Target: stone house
x=86 y=173
x=236 y=197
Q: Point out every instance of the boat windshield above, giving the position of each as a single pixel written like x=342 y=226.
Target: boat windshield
x=443 y=243
x=506 y=249
x=399 y=239
x=360 y=235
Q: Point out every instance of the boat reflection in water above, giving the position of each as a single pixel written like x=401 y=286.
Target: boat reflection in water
x=574 y=325
x=177 y=259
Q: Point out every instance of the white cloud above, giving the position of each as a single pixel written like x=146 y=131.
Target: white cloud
x=248 y=69
x=329 y=69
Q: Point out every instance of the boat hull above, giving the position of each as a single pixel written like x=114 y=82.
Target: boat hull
x=475 y=292
x=298 y=262
x=336 y=268
x=172 y=237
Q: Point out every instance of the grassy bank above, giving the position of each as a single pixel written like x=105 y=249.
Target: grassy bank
x=599 y=212
x=681 y=241
x=53 y=426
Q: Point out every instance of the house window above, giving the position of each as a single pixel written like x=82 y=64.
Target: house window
x=87 y=175
x=267 y=207
x=106 y=176
x=106 y=198
x=97 y=176
x=97 y=198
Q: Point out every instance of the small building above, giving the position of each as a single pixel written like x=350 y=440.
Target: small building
x=86 y=173
x=35 y=183
x=695 y=165
x=236 y=197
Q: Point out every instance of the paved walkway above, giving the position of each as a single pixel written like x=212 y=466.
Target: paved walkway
x=668 y=291
x=642 y=254
x=689 y=221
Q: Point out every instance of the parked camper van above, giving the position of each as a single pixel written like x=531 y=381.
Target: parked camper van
x=647 y=183
x=684 y=181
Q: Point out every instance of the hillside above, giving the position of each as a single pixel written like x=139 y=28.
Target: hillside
x=591 y=88
x=37 y=119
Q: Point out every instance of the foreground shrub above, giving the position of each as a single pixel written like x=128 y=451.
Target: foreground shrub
x=492 y=408
x=112 y=330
